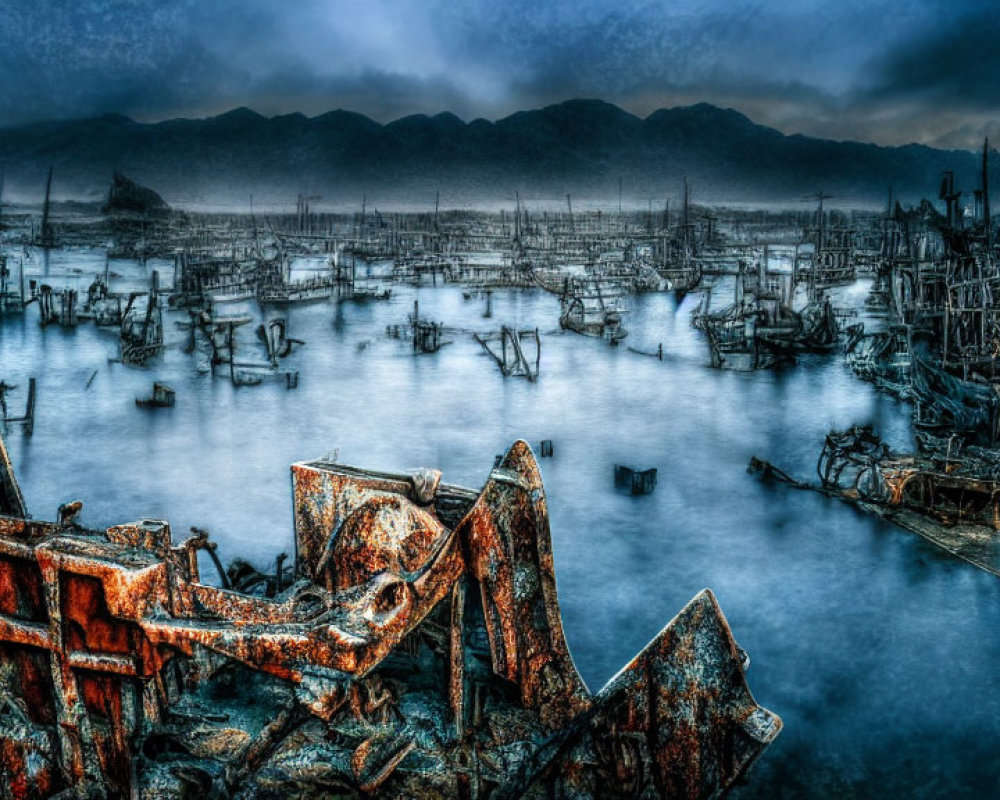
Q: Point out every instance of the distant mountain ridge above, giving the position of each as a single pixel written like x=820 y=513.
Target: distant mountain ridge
x=581 y=147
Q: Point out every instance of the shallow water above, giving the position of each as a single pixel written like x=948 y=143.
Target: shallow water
x=877 y=650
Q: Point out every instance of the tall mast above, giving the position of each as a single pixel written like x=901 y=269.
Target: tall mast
x=517 y=218
x=887 y=233
x=819 y=239
x=687 y=196
x=46 y=233
x=986 y=194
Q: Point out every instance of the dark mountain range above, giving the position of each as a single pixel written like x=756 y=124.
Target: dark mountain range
x=581 y=146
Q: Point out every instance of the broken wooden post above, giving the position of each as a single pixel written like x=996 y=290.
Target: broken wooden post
x=28 y=420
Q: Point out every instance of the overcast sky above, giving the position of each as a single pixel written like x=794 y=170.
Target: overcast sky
x=872 y=70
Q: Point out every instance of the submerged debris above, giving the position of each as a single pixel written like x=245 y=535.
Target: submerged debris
x=510 y=356
x=949 y=494
x=141 y=332
x=636 y=481
x=426 y=335
x=162 y=397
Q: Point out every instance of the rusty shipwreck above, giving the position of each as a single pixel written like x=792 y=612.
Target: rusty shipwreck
x=415 y=649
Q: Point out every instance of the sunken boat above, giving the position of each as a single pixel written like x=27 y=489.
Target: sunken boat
x=761 y=328
x=948 y=492
x=414 y=650
x=590 y=309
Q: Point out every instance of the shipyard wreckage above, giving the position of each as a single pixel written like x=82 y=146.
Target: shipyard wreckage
x=415 y=650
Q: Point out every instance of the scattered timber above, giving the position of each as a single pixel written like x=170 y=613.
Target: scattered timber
x=507 y=348
x=26 y=420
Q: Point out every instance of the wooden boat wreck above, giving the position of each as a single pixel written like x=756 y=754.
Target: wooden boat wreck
x=677 y=256
x=938 y=285
x=418 y=652
x=140 y=335
x=948 y=493
x=760 y=328
x=592 y=309
x=832 y=261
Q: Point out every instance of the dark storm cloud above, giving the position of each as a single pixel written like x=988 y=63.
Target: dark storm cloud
x=956 y=64
x=871 y=69
x=937 y=86
x=60 y=59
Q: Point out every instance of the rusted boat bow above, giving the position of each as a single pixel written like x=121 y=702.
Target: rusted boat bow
x=419 y=652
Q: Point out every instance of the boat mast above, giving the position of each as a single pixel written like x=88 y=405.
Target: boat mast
x=986 y=195
x=46 y=232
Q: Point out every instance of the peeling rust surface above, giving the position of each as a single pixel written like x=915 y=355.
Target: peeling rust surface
x=420 y=652
x=507 y=536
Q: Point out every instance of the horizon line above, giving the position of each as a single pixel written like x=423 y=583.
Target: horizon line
x=465 y=122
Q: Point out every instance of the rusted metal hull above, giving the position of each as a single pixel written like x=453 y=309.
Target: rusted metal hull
x=420 y=653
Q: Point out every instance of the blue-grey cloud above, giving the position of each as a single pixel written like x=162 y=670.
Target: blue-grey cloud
x=869 y=69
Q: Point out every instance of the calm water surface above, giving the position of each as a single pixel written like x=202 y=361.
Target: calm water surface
x=879 y=652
